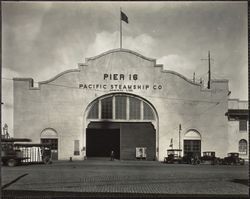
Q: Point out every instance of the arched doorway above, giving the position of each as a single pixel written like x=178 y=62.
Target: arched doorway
x=192 y=143
x=49 y=136
x=123 y=123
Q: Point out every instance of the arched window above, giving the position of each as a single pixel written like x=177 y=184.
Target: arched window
x=192 y=143
x=93 y=113
x=107 y=108
x=134 y=108
x=192 y=135
x=49 y=133
x=147 y=112
x=243 y=146
x=121 y=107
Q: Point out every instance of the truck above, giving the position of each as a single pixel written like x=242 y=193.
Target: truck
x=18 y=151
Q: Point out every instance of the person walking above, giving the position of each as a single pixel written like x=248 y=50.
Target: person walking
x=112 y=155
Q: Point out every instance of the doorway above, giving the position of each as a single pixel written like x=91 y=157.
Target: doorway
x=54 y=146
x=100 y=142
x=192 y=147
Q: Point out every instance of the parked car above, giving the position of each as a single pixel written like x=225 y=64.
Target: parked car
x=191 y=158
x=174 y=156
x=233 y=159
x=210 y=158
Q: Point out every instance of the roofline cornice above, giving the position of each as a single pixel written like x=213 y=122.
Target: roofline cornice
x=181 y=76
x=120 y=50
x=58 y=75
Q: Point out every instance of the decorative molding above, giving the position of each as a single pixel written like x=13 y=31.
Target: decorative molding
x=181 y=76
x=81 y=65
x=59 y=75
x=121 y=50
x=55 y=134
x=197 y=135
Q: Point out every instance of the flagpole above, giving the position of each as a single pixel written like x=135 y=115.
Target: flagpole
x=120 y=28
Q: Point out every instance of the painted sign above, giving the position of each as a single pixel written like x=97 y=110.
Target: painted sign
x=119 y=86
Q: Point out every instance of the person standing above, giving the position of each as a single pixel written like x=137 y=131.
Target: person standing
x=112 y=155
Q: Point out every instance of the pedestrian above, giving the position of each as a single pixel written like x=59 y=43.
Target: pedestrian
x=112 y=155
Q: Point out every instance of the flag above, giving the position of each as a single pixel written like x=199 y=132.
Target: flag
x=124 y=17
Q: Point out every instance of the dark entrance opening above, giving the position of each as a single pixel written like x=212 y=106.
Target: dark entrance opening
x=100 y=142
x=124 y=138
x=192 y=147
x=54 y=146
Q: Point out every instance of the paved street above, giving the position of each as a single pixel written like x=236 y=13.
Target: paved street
x=128 y=177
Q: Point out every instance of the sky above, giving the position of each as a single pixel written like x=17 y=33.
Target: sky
x=42 y=39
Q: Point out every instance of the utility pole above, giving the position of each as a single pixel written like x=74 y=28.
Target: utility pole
x=209 y=70
x=179 y=136
x=120 y=28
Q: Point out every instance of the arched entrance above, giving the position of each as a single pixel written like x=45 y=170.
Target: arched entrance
x=49 y=136
x=192 y=143
x=123 y=123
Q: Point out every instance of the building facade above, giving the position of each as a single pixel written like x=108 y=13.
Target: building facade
x=238 y=121
x=125 y=102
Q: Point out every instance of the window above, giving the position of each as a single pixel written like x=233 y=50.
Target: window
x=134 y=109
x=243 y=146
x=93 y=113
x=243 y=125
x=192 y=147
x=107 y=108
x=53 y=142
x=76 y=147
x=120 y=107
x=147 y=112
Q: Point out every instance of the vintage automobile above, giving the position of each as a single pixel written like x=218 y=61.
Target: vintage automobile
x=210 y=158
x=17 y=151
x=35 y=152
x=174 y=156
x=9 y=154
x=191 y=158
x=233 y=159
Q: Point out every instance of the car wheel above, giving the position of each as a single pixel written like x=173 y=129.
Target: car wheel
x=12 y=162
x=46 y=160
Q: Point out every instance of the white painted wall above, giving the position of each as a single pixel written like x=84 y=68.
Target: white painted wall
x=61 y=105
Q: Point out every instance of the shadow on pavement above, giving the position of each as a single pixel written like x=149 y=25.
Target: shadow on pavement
x=22 y=194
x=241 y=181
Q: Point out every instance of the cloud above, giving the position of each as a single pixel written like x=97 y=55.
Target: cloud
x=7 y=96
x=178 y=64
x=7 y=87
x=144 y=44
x=105 y=41
x=238 y=84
